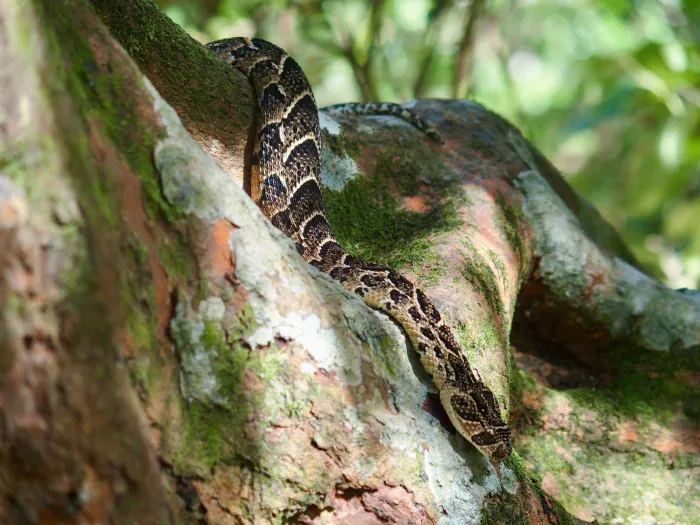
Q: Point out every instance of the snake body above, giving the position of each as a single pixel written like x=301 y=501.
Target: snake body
x=285 y=184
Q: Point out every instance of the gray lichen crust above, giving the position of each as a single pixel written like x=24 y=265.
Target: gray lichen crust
x=630 y=304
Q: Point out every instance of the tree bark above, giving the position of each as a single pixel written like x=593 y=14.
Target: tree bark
x=167 y=356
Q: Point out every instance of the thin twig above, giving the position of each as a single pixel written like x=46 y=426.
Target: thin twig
x=460 y=81
x=517 y=114
x=359 y=69
x=376 y=21
x=362 y=66
x=420 y=85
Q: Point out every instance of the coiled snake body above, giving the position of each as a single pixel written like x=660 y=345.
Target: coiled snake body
x=285 y=184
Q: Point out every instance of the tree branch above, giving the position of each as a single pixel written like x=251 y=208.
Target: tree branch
x=460 y=81
x=167 y=354
x=189 y=76
x=420 y=85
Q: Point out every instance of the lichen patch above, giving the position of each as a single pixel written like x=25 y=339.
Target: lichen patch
x=337 y=171
x=326 y=122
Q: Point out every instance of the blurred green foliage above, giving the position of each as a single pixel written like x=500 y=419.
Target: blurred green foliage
x=607 y=89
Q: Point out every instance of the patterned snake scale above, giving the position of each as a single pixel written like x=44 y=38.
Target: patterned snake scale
x=285 y=184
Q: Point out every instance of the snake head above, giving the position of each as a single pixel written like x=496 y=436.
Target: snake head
x=475 y=414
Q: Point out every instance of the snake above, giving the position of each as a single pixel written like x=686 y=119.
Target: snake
x=285 y=184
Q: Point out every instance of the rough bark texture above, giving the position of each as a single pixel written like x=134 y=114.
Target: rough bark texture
x=74 y=442
x=215 y=102
x=167 y=356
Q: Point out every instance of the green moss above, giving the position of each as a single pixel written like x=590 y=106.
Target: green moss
x=212 y=420
x=341 y=144
x=691 y=407
x=214 y=362
x=387 y=354
x=521 y=383
x=104 y=135
x=204 y=442
x=123 y=124
x=505 y=510
x=369 y=221
x=592 y=471
x=517 y=465
x=648 y=395
x=213 y=337
x=434 y=273
x=101 y=136
x=167 y=43
x=480 y=274
x=96 y=134
x=510 y=220
x=477 y=335
x=647 y=385
x=137 y=299
x=514 y=509
x=103 y=95
x=24 y=160
x=138 y=252
x=500 y=267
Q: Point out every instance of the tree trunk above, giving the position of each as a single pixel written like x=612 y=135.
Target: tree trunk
x=168 y=357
